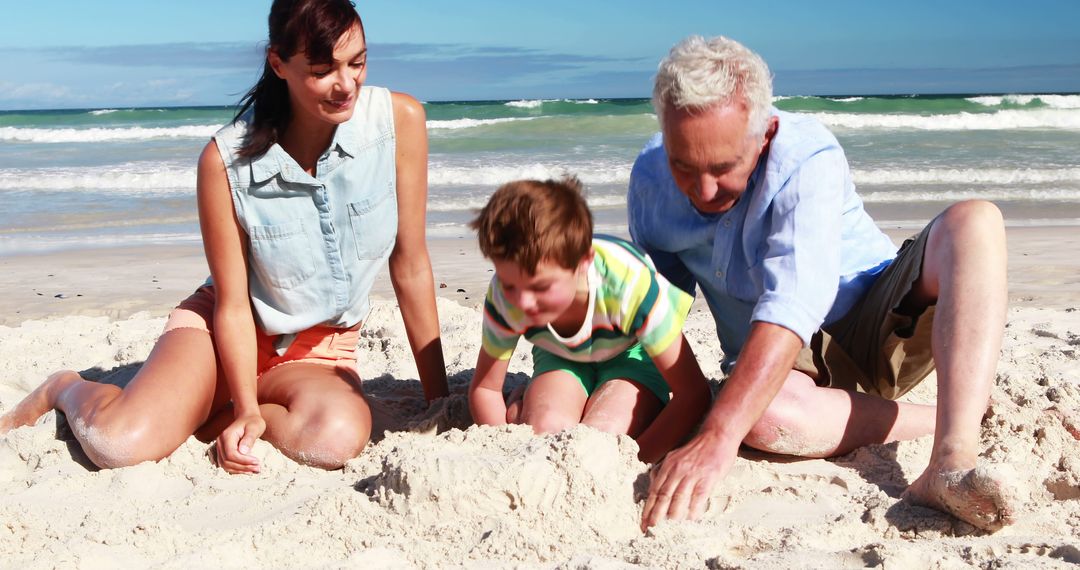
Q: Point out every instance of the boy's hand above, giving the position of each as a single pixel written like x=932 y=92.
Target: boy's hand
x=513 y=405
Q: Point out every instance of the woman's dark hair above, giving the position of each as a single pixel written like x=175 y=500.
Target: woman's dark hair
x=313 y=25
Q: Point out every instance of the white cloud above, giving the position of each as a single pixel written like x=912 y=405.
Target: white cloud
x=38 y=92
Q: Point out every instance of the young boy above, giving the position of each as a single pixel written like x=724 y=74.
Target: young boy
x=606 y=328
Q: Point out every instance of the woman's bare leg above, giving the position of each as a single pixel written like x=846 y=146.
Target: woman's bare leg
x=38 y=402
x=315 y=414
x=168 y=399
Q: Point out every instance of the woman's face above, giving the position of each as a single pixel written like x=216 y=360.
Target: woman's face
x=326 y=91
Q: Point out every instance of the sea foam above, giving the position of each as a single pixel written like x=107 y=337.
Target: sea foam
x=471 y=123
x=995 y=176
x=589 y=173
x=1054 y=101
x=1000 y=120
x=993 y=195
x=138 y=179
x=98 y=134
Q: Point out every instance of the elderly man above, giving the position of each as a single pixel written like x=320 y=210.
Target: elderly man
x=822 y=322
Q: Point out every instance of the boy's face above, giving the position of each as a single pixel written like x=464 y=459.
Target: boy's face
x=545 y=295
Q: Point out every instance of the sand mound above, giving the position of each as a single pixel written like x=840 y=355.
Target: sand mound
x=573 y=484
x=430 y=493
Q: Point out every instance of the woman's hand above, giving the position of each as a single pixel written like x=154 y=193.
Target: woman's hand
x=235 y=442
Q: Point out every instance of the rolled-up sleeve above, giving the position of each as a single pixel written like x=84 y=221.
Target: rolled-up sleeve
x=800 y=270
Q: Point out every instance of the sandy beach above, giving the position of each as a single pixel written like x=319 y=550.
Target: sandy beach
x=433 y=492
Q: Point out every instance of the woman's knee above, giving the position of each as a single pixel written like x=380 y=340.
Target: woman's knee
x=123 y=443
x=332 y=437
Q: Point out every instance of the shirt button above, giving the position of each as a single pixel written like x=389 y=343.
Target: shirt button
x=727 y=223
x=719 y=273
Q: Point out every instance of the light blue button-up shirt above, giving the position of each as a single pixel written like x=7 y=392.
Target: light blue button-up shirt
x=316 y=243
x=797 y=249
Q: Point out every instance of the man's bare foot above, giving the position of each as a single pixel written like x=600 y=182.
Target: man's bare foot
x=38 y=402
x=981 y=496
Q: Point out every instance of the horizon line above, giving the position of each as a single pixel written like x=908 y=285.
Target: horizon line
x=951 y=95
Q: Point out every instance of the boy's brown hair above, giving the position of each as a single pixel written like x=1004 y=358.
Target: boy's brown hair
x=529 y=221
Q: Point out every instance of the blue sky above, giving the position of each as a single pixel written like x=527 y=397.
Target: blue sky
x=78 y=54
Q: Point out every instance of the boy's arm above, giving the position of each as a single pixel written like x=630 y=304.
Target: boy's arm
x=689 y=401
x=486 y=401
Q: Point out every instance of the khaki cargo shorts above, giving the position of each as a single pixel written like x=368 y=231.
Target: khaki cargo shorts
x=874 y=348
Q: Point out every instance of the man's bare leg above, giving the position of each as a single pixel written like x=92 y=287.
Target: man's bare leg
x=807 y=420
x=964 y=273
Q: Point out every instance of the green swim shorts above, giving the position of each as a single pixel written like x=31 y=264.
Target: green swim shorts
x=633 y=364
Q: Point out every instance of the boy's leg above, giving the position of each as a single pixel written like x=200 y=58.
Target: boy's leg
x=631 y=393
x=554 y=401
x=622 y=406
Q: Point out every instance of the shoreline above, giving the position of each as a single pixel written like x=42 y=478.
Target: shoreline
x=118 y=281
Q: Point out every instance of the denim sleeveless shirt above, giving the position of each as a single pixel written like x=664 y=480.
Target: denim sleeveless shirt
x=316 y=243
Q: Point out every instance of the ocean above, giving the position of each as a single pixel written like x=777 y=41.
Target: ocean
x=100 y=177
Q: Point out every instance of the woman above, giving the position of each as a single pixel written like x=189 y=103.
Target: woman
x=301 y=199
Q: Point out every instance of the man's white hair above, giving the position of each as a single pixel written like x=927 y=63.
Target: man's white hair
x=699 y=73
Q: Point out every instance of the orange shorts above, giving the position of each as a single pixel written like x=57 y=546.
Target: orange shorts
x=328 y=346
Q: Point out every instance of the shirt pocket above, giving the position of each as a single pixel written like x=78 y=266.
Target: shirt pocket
x=281 y=254
x=374 y=224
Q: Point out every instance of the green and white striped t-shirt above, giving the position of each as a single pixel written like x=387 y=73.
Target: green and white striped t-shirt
x=629 y=302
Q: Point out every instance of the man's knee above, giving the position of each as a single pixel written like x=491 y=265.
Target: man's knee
x=781 y=427
x=972 y=231
x=978 y=215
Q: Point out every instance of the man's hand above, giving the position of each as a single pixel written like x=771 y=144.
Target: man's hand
x=235 y=442
x=681 y=484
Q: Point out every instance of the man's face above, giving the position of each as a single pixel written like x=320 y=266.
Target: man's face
x=710 y=155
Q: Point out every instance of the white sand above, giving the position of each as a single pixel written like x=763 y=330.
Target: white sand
x=432 y=494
